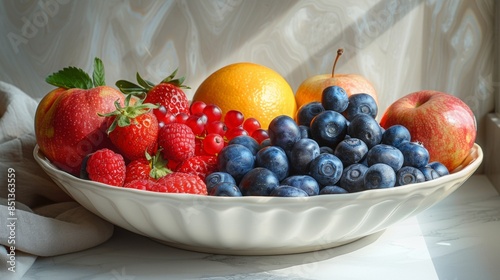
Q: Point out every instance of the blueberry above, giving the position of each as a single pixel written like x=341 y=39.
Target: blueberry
x=326 y=169
x=325 y=150
x=361 y=103
x=303 y=152
x=429 y=173
x=387 y=154
x=366 y=128
x=352 y=178
x=334 y=98
x=224 y=189
x=351 y=150
x=259 y=181
x=304 y=182
x=273 y=158
x=83 y=169
x=332 y=190
x=414 y=154
x=439 y=167
x=396 y=135
x=328 y=128
x=409 y=175
x=215 y=178
x=236 y=160
x=379 y=176
x=305 y=131
x=265 y=143
x=288 y=191
x=246 y=141
x=284 y=132
x=307 y=112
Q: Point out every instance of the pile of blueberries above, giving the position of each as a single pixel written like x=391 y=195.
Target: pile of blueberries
x=334 y=146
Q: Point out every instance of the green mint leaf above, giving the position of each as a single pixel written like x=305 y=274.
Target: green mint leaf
x=70 y=77
x=98 y=74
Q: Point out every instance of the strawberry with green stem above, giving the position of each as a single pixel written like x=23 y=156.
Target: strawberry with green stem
x=147 y=168
x=133 y=128
x=168 y=93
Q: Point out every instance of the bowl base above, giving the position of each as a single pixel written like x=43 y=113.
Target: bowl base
x=257 y=251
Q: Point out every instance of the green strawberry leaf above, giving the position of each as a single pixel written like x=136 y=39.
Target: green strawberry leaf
x=171 y=77
x=130 y=88
x=125 y=116
x=144 y=83
x=158 y=165
x=176 y=82
x=70 y=77
x=98 y=74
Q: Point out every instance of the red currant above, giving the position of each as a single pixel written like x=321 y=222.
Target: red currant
x=213 y=143
x=181 y=118
x=213 y=112
x=197 y=123
x=160 y=111
x=197 y=107
x=260 y=135
x=168 y=118
x=234 y=119
x=217 y=127
x=234 y=132
x=250 y=125
x=163 y=116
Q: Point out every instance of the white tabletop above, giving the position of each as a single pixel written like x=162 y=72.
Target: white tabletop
x=459 y=238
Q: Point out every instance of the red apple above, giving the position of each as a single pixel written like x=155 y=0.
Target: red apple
x=312 y=88
x=67 y=124
x=442 y=122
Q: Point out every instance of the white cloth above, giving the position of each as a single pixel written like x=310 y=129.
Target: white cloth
x=46 y=222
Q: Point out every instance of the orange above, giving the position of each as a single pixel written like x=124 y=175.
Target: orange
x=254 y=90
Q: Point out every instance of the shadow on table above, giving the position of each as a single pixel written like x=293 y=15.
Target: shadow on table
x=153 y=259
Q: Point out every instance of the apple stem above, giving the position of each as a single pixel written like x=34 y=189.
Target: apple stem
x=339 y=53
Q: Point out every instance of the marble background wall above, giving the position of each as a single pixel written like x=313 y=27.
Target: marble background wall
x=401 y=46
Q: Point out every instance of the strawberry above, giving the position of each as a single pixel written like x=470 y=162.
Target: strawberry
x=179 y=182
x=105 y=166
x=177 y=141
x=199 y=165
x=133 y=129
x=168 y=93
x=148 y=167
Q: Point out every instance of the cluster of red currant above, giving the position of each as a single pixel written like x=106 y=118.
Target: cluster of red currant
x=213 y=131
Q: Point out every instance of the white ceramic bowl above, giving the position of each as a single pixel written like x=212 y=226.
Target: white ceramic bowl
x=258 y=225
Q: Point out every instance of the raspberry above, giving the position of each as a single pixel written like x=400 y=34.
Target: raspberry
x=142 y=184
x=106 y=166
x=177 y=141
x=179 y=182
x=137 y=169
x=199 y=165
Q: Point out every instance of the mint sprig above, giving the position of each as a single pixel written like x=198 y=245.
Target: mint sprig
x=73 y=77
